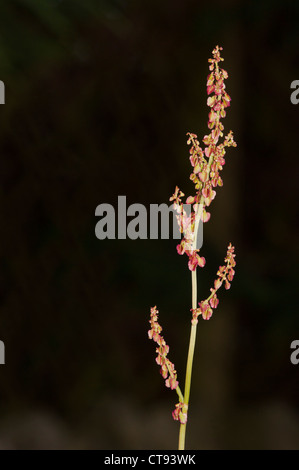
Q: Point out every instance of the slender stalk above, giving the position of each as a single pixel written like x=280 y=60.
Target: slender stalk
x=192 y=340
x=182 y=437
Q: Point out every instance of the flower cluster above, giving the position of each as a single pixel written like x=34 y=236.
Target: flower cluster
x=180 y=412
x=167 y=370
x=207 y=164
x=225 y=275
x=187 y=226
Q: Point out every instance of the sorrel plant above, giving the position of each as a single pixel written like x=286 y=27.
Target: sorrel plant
x=206 y=164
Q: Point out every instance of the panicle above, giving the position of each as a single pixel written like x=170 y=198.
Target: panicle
x=225 y=274
x=207 y=163
x=167 y=369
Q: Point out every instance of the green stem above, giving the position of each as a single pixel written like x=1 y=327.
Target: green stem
x=199 y=211
x=192 y=340
x=182 y=436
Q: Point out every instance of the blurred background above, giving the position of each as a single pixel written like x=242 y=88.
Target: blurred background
x=99 y=97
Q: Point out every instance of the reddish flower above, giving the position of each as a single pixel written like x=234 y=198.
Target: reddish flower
x=180 y=412
x=177 y=195
x=195 y=260
x=172 y=383
x=214 y=301
x=207 y=314
x=205 y=217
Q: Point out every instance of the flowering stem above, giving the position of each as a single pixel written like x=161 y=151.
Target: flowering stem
x=206 y=163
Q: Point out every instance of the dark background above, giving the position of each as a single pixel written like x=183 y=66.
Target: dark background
x=99 y=97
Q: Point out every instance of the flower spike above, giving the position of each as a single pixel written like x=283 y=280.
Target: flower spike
x=206 y=162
